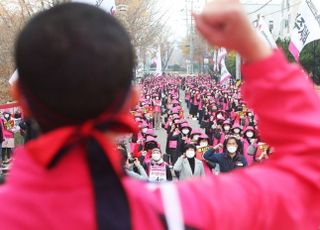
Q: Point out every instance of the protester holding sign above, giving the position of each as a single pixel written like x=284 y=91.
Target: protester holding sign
x=158 y=170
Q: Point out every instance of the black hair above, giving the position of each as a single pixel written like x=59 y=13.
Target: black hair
x=201 y=139
x=74 y=61
x=247 y=138
x=190 y=146
x=17 y=114
x=189 y=128
x=150 y=145
x=240 y=145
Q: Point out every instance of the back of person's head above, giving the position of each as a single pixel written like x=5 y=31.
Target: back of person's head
x=190 y=146
x=75 y=62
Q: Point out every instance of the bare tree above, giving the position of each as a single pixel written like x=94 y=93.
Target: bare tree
x=143 y=19
x=13 y=15
x=200 y=49
x=166 y=46
x=145 y=22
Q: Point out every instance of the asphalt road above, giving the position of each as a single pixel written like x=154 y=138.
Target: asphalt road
x=162 y=134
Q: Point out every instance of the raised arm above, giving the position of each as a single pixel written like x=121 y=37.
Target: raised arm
x=282 y=193
x=211 y=156
x=286 y=104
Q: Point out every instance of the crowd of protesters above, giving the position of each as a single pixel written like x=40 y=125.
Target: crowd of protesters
x=75 y=66
x=228 y=137
x=12 y=133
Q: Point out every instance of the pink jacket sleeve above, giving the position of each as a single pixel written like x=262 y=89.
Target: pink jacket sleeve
x=283 y=192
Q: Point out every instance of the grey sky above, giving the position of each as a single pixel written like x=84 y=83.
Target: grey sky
x=177 y=15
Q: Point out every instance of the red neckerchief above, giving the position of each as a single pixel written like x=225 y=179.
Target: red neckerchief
x=72 y=135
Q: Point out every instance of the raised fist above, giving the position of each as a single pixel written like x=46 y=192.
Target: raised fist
x=224 y=23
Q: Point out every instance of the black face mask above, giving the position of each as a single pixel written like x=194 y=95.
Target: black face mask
x=217 y=133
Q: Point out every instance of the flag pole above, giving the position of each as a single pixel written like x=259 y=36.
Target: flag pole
x=314 y=61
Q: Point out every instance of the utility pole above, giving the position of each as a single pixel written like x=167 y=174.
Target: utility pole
x=283 y=19
x=288 y=17
x=207 y=50
x=191 y=37
x=238 y=66
x=188 y=32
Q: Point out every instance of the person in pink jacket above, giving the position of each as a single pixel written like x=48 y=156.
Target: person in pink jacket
x=71 y=177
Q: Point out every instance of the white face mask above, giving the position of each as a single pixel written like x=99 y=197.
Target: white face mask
x=144 y=130
x=237 y=131
x=185 y=131
x=219 y=116
x=203 y=143
x=227 y=128
x=213 y=126
x=190 y=153
x=249 y=134
x=156 y=156
x=196 y=137
x=232 y=149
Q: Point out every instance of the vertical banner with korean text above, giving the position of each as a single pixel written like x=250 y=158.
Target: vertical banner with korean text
x=306 y=27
